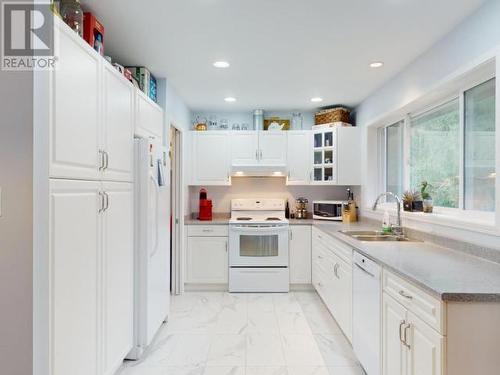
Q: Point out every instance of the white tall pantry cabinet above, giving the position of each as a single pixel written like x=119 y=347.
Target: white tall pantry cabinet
x=85 y=118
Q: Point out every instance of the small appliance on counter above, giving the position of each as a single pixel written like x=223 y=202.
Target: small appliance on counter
x=328 y=210
x=301 y=208
x=205 y=210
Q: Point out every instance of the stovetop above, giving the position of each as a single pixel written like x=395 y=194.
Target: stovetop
x=258 y=211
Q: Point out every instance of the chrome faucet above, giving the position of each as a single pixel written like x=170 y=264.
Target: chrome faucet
x=397 y=229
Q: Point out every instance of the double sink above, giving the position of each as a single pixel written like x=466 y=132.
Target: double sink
x=376 y=236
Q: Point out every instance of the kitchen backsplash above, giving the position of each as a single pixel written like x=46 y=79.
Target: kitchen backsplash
x=266 y=187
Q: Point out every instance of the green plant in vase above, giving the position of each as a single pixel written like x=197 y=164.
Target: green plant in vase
x=426 y=197
x=412 y=201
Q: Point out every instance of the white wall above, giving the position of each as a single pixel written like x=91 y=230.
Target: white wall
x=472 y=43
x=16 y=224
x=265 y=187
x=475 y=36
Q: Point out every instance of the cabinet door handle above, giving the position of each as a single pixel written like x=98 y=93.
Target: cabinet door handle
x=405 y=295
x=405 y=335
x=291 y=235
x=101 y=160
x=401 y=324
x=257 y=154
x=227 y=246
x=107 y=201
x=101 y=198
x=106 y=160
x=260 y=154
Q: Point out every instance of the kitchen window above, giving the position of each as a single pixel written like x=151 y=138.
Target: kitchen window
x=451 y=146
x=394 y=158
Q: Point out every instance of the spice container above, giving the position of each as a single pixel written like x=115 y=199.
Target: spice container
x=258 y=119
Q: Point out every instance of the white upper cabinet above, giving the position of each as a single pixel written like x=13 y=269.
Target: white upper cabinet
x=149 y=117
x=258 y=147
x=336 y=156
x=118 y=126
x=272 y=147
x=298 y=157
x=75 y=123
x=92 y=115
x=211 y=158
x=244 y=147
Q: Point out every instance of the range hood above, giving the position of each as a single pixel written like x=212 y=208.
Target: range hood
x=258 y=170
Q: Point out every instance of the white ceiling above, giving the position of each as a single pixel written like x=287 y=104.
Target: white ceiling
x=282 y=52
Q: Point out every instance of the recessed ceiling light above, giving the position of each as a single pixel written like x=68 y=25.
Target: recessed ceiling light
x=221 y=64
x=376 y=64
x=230 y=99
x=316 y=99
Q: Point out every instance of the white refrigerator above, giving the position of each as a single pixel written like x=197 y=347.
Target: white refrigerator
x=152 y=242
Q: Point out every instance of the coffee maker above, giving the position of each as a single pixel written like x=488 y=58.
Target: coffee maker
x=301 y=208
x=205 y=208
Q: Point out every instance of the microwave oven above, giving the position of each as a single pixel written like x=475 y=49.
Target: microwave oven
x=328 y=210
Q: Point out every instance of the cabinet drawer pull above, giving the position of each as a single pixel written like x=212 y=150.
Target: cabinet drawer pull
x=207 y=230
x=336 y=270
x=405 y=295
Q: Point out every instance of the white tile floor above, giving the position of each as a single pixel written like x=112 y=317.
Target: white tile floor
x=248 y=334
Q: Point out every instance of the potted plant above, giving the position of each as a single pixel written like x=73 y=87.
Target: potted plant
x=412 y=201
x=427 y=199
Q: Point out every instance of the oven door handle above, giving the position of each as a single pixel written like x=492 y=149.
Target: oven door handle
x=258 y=229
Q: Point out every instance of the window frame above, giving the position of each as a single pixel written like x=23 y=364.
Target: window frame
x=486 y=217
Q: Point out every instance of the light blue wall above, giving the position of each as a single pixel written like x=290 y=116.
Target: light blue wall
x=176 y=110
x=476 y=35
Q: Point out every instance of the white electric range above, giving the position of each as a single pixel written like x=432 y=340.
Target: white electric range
x=258 y=246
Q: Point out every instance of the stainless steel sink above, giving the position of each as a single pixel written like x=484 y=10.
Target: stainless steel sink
x=375 y=236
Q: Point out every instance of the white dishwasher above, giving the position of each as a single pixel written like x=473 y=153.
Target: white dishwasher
x=366 y=327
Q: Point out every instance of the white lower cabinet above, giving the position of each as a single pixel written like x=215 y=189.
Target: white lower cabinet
x=394 y=352
x=118 y=274
x=300 y=254
x=207 y=257
x=90 y=276
x=410 y=346
x=332 y=278
x=74 y=256
x=425 y=348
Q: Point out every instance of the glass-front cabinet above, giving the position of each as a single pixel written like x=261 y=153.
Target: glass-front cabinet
x=324 y=155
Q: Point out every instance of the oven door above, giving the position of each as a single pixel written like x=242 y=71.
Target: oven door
x=258 y=245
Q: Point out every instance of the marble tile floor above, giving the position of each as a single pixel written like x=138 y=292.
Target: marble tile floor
x=216 y=333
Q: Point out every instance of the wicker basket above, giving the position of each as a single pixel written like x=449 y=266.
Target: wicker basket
x=327 y=116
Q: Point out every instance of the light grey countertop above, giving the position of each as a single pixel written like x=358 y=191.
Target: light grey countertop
x=446 y=273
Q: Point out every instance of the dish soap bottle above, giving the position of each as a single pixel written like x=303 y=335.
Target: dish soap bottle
x=386 y=223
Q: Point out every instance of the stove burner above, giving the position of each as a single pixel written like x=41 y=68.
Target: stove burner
x=244 y=218
x=273 y=219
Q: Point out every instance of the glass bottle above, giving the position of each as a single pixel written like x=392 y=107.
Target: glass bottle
x=72 y=14
x=296 y=121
